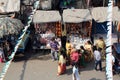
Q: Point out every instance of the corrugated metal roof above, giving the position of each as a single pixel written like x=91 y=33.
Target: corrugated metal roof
x=76 y=15
x=9 y=6
x=100 y=14
x=46 y=16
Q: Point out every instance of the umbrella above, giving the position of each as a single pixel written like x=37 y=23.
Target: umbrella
x=10 y=26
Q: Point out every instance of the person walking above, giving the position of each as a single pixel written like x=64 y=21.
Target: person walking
x=97 y=57
x=68 y=51
x=62 y=62
x=83 y=56
x=75 y=74
x=54 y=49
x=89 y=48
x=74 y=56
x=68 y=47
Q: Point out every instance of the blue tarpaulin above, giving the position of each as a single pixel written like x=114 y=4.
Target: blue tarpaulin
x=100 y=28
x=117 y=47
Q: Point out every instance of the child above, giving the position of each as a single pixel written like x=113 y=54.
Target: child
x=75 y=74
x=97 y=57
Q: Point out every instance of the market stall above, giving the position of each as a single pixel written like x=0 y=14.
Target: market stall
x=47 y=25
x=77 y=24
x=99 y=15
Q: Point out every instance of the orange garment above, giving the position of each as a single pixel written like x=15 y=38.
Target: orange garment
x=61 y=65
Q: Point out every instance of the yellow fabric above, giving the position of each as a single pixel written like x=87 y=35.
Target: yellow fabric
x=100 y=44
x=62 y=60
x=68 y=48
x=88 y=47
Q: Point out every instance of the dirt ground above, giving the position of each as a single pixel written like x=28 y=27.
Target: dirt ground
x=41 y=67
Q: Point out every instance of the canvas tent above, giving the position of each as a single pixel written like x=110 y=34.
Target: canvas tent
x=46 y=16
x=100 y=14
x=47 y=25
x=47 y=19
x=9 y=6
x=76 y=15
x=77 y=24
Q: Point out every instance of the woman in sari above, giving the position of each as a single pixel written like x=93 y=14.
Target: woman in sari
x=88 y=47
x=62 y=63
x=68 y=51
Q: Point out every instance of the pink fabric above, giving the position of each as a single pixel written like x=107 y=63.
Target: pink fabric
x=74 y=56
x=1 y=60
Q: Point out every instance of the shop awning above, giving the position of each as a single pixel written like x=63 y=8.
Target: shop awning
x=7 y=6
x=76 y=15
x=46 y=16
x=100 y=14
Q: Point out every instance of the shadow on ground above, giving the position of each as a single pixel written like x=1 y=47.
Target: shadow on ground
x=30 y=55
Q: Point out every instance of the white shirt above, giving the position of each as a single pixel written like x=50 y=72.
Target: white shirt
x=76 y=73
x=113 y=59
x=97 y=55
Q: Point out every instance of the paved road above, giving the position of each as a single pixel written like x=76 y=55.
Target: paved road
x=43 y=68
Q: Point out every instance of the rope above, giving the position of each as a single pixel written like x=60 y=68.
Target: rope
x=109 y=74
x=7 y=64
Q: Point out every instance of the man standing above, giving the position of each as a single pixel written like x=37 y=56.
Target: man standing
x=54 y=49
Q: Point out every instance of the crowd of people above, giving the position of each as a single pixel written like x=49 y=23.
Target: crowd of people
x=68 y=55
x=78 y=58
